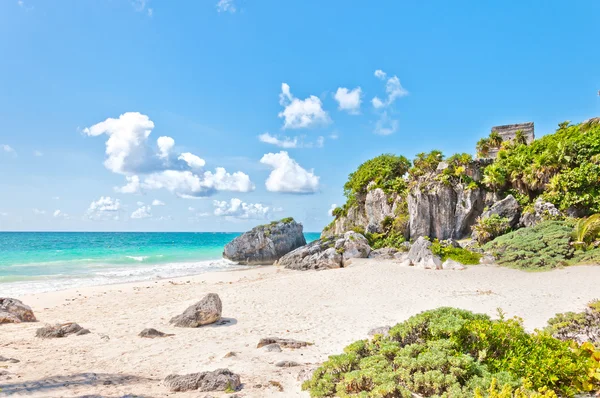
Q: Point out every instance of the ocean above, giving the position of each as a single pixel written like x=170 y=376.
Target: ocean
x=34 y=262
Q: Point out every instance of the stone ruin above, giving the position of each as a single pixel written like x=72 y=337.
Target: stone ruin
x=507 y=132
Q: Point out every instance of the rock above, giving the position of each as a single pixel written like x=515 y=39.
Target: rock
x=507 y=208
x=218 y=380
x=265 y=244
x=401 y=256
x=82 y=332
x=306 y=374
x=151 y=333
x=206 y=311
x=10 y=360
x=541 y=211
x=272 y=348
x=383 y=330
x=230 y=354
x=420 y=255
x=285 y=343
x=487 y=259
x=377 y=208
x=453 y=265
x=450 y=243
x=287 y=364
x=58 y=330
x=325 y=253
x=14 y=311
x=385 y=253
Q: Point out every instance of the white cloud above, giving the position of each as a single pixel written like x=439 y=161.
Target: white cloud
x=226 y=6
x=377 y=103
x=299 y=113
x=285 y=142
x=142 y=212
x=60 y=214
x=38 y=153
x=331 y=209
x=39 y=212
x=157 y=202
x=386 y=125
x=104 y=208
x=235 y=208
x=8 y=149
x=334 y=136
x=140 y=203
x=288 y=176
x=380 y=74
x=349 y=100
x=141 y=5
x=129 y=153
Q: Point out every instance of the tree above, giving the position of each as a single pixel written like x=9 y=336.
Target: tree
x=495 y=139
x=520 y=138
x=483 y=148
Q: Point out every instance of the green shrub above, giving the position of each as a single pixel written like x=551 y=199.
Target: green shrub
x=582 y=326
x=488 y=228
x=543 y=246
x=386 y=171
x=450 y=352
x=586 y=231
x=287 y=220
x=463 y=256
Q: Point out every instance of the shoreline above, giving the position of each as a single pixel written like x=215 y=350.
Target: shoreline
x=329 y=308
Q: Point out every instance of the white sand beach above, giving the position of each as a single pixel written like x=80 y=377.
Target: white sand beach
x=328 y=308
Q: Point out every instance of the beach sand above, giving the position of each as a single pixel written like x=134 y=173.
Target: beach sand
x=328 y=308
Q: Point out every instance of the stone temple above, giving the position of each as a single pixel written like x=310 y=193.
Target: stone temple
x=507 y=132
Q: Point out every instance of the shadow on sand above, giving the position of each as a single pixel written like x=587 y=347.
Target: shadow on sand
x=78 y=380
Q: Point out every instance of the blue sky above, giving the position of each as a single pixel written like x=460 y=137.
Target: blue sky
x=215 y=77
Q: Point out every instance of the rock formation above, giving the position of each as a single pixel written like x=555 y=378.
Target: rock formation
x=541 y=210
x=386 y=253
x=206 y=311
x=218 y=380
x=329 y=252
x=14 y=311
x=507 y=208
x=265 y=244
x=420 y=255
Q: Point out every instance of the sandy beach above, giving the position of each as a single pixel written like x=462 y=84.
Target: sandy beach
x=328 y=308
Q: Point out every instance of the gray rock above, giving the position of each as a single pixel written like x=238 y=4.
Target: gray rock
x=541 y=211
x=10 y=360
x=206 y=311
x=385 y=253
x=58 y=330
x=218 y=380
x=325 y=253
x=287 y=364
x=265 y=244
x=306 y=374
x=453 y=265
x=377 y=208
x=383 y=330
x=14 y=311
x=151 y=333
x=450 y=243
x=272 y=348
x=507 y=208
x=286 y=343
x=487 y=259
x=420 y=255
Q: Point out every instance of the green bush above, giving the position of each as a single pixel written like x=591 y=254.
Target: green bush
x=463 y=256
x=488 y=228
x=543 y=246
x=386 y=171
x=450 y=352
x=582 y=326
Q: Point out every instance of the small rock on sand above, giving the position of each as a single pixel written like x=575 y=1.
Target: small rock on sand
x=10 y=360
x=14 y=311
x=218 y=380
x=58 y=330
x=272 y=348
x=206 y=311
x=287 y=364
x=151 y=333
x=285 y=343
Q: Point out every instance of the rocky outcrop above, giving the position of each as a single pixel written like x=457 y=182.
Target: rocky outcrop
x=265 y=244
x=218 y=380
x=420 y=255
x=506 y=208
x=329 y=252
x=443 y=211
x=57 y=331
x=541 y=211
x=206 y=311
x=385 y=253
x=14 y=311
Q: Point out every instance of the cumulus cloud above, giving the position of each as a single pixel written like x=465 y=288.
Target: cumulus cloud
x=288 y=176
x=142 y=212
x=104 y=208
x=394 y=90
x=157 y=202
x=287 y=142
x=128 y=152
x=299 y=113
x=386 y=125
x=349 y=100
x=226 y=6
x=60 y=214
x=331 y=209
x=142 y=6
x=380 y=74
x=377 y=103
x=236 y=208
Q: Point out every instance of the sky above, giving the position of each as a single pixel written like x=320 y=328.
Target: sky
x=218 y=115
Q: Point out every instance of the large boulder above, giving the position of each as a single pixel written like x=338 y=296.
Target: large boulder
x=14 y=311
x=377 y=208
x=541 y=211
x=420 y=255
x=385 y=253
x=507 y=208
x=265 y=244
x=329 y=252
x=204 y=312
x=218 y=380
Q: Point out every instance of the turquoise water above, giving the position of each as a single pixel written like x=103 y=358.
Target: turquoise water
x=32 y=262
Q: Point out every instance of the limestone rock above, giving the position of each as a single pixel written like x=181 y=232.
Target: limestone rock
x=384 y=330
x=206 y=311
x=325 y=253
x=58 y=330
x=385 y=253
x=218 y=380
x=377 y=208
x=287 y=364
x=14 y=311
x=508 y=208
x=272 y=348
x=265 y=244
x=153 y=333
x=453 y=265
x=9 y=360
x=541 y=210
x=286 y=343
x=420 y=255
